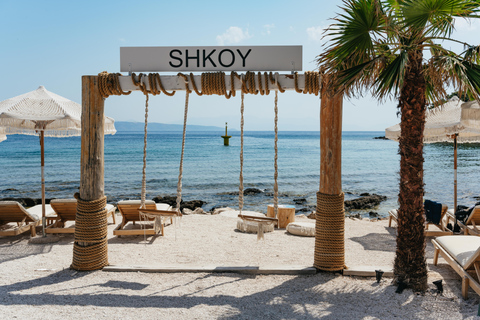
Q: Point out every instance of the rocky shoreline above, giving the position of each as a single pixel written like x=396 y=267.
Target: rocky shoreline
x=362 y=205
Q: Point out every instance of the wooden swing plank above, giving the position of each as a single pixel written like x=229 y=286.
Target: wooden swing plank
x=162 y=213
x=257 y=218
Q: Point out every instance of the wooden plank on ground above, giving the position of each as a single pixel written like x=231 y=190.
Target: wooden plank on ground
x=293 y=270
x=368 y=271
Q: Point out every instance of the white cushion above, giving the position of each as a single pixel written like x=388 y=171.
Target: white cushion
x=163 y=206
x=304 y=229
x=464 y=249
x=36 y=211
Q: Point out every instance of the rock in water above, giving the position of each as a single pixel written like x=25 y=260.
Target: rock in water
x=367 y=201
x=251 y=191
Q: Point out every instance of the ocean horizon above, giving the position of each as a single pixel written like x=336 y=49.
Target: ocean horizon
x=211 y=170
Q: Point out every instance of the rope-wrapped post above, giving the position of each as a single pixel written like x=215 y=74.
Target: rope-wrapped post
x=330 y=216
x=90 y=246
x=330 y=232
x=90 y=250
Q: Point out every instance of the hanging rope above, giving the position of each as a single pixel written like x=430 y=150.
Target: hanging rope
x=240 y=187
x=109 y=84
x=275 y=175
x=312 y=83
x=180 y=170
x=144 y=169
x=214 y=83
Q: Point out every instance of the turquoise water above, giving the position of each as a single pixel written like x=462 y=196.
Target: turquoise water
x=211 y=170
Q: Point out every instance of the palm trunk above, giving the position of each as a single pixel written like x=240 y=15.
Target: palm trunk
x=410 y=265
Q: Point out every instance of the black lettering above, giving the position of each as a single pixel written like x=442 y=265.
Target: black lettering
x=220 y=58
x=176 y=58
x=244 y=57
x=205 y=58
x=197 y=57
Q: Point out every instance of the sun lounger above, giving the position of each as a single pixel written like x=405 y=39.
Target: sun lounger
x=25 y=219
x=66 y=210
x=393 y=216
x=470 y=226
x=462 y=253
x=155 y=212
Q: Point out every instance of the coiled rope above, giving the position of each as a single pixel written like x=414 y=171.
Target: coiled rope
x=312 y=83
x=91 y=229
x=330 y=232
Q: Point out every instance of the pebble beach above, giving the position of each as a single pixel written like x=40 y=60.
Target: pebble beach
x=36 y=281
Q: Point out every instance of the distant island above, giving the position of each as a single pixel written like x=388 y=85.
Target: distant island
x=126 y=126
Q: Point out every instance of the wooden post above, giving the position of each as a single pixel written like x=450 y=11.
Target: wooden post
x=331 y=143
x=330 y=213
x=91 y=166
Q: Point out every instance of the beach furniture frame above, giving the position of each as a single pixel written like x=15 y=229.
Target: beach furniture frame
x=393 y=216
x=66 y=210
x=154 y=212
x=462 y=253
x=26 y=219
x=470 y=226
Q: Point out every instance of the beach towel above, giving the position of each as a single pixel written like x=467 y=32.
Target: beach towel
x=433 y=211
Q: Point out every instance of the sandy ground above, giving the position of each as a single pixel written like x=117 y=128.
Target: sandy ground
x=36 y=282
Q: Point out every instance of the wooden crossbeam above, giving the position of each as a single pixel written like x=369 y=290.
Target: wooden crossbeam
x=177 y=83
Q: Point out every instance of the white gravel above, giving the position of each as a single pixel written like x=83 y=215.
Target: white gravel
x=36 y=282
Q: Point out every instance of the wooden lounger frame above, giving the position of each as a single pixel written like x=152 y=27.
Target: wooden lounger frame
x=467 y=280
x=393 y=216
x=119 y=231
x=470 y=226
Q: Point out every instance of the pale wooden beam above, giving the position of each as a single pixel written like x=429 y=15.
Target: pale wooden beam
x=177 y=83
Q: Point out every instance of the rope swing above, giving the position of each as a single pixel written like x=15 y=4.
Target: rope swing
x=211 y=84
x=153 y=214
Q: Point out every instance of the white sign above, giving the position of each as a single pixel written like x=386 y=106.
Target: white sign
x=210 y=58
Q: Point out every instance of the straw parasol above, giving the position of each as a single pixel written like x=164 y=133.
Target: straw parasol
x=3 y=136
x=41 y=112
x=455 y=121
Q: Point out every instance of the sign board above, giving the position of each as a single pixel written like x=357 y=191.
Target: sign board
x=211 y=58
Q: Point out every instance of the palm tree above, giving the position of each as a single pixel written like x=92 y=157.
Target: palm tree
x=379 y=46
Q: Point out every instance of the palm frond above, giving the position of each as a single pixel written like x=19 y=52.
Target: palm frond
x=472 y=54
x=453 y=70
x=391 y=78
x=435 y=17
x=353 y=34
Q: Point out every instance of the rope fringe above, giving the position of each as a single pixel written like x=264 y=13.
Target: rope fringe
x=211 y=83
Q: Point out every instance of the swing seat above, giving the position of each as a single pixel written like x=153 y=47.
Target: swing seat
x=131 y=212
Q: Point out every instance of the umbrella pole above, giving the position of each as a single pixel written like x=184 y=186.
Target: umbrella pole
x=42 y=151
x=455 y=176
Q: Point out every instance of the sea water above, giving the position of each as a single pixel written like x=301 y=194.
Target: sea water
x=211 y=170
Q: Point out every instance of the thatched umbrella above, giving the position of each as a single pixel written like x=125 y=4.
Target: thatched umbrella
x=455 y=121
x=43 y=113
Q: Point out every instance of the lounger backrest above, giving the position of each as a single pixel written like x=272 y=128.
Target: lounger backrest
x=466 y=253
x=129 y=208
x=13 y=211
x=474 y=216
x=65 y=208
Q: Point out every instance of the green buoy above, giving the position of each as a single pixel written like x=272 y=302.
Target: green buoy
x=226 y=137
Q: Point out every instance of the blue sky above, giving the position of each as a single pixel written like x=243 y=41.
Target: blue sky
x=54 y=43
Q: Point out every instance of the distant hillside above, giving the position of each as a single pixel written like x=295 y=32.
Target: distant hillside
x=123 y=126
